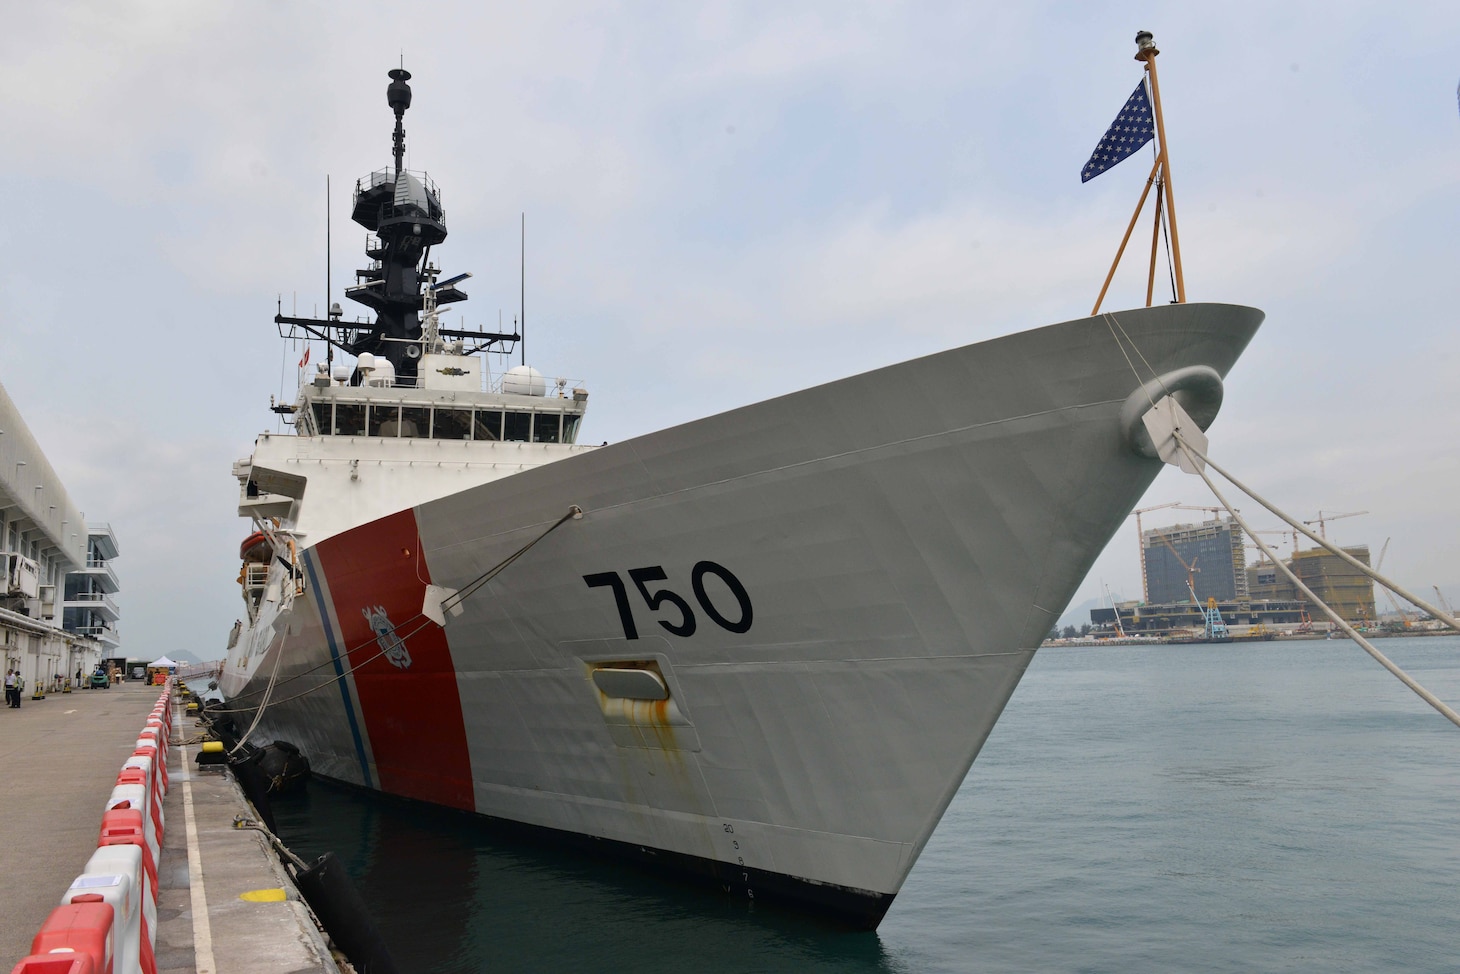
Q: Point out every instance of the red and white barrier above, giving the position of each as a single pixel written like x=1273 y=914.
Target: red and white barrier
x=116 y=882
x=80 y=933
x=108 y=921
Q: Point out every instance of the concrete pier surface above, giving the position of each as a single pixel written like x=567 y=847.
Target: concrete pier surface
x=224 y=903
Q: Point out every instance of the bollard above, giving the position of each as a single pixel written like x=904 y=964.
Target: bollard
x=212 y=753
x=85 y=927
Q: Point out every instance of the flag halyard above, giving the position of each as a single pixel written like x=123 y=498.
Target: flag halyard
x=1132 y=128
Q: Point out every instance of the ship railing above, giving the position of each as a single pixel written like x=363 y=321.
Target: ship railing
x=381 y=177
x=255 y=576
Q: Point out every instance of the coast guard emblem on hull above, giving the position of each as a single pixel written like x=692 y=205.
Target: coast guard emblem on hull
x=386 y=639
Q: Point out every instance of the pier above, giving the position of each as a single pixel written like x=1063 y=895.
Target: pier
x=224 y=903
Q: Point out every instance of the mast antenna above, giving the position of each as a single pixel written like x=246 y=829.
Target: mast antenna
x=398 y=96
x=522 y=297
x=329 y=309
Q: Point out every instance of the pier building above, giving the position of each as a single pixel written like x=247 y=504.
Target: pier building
x=46 y=552
x=90 y=607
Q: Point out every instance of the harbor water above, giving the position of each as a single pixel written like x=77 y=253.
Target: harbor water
x=1258 y=807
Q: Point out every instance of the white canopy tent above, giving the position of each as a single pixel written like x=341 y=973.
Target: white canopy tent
x=163 y=661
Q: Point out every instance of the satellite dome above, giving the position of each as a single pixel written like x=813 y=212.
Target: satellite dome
x=524 y=380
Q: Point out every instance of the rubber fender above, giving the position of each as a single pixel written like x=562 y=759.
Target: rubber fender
x=333 y=898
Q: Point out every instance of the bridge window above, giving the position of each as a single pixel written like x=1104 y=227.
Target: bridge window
x=415 y=421
x=570 y=428
x=452 y=424
x=349 y=419
x=546 y=427
x=518 y=428
x=488 y=425
x=384 y=420
x=322 y=418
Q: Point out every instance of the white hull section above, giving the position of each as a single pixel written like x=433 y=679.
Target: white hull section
x=901 y=542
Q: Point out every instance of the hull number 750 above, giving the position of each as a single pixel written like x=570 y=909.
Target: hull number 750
x=681 y=621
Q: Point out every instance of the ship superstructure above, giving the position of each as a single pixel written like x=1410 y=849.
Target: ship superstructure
x=762 y=647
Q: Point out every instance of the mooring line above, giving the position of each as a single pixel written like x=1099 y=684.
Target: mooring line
x=1349 y=630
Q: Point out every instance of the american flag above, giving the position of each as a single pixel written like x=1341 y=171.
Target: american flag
x=1131 y=129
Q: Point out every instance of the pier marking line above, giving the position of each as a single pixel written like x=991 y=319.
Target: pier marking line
x=202 y=932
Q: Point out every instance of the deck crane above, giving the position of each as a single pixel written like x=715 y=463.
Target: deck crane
x=1322 y=521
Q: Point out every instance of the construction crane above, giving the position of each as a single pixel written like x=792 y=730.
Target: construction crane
x=1322 y=521
x=1444 y=602
x=1141 y=537
x=1393 y=602
x=1191 y=569
x=1141 y=542
x=1114 y=608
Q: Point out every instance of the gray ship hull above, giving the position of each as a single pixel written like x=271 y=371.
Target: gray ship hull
x=773 y=644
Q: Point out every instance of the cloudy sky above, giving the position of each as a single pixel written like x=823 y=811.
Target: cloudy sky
x=724 y=202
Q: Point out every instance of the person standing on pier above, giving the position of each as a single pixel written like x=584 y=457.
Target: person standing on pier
x=12 y=688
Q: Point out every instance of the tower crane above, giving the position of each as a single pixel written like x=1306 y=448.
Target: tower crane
x=1322 y=521
x=1191 y=569
x=1393 y=602
x=1141 y=542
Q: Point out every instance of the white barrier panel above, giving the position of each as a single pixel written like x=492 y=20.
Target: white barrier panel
x=123 y=891
x=127 y=859
x=138 y=798
x=149 y=736
x=159 y=757
x=137 y=776
x=145 y=764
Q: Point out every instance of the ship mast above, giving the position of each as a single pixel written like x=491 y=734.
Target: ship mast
x=402 y=210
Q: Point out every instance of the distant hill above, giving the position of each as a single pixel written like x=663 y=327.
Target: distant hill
x=1079 y=615
x=184 y=656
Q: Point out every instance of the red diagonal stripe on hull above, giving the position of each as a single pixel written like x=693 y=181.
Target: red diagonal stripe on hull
x=412 y=714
